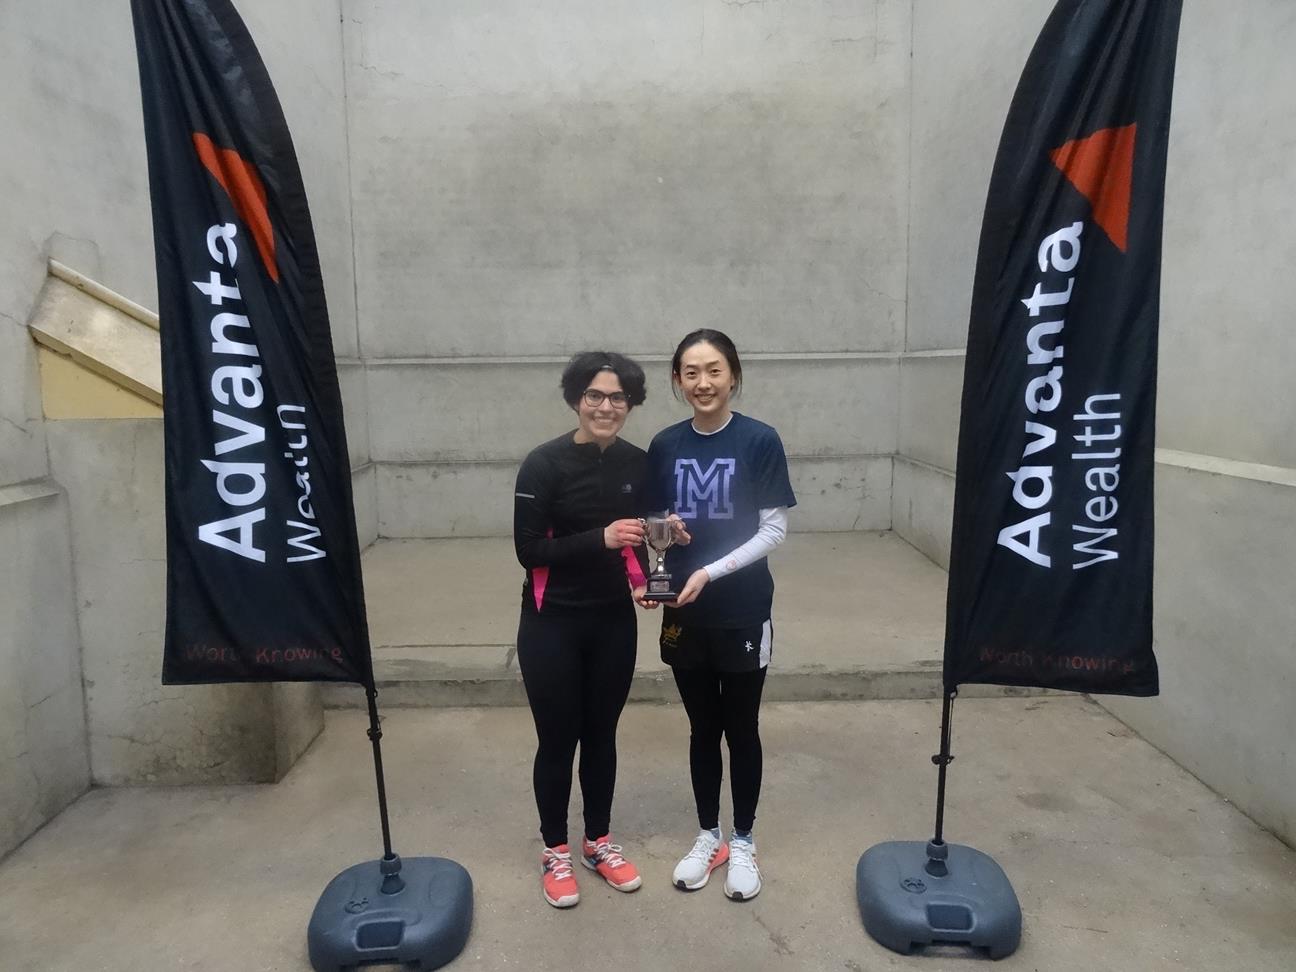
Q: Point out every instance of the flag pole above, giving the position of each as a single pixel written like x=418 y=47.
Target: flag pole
x=390 y=865
x=937 y=852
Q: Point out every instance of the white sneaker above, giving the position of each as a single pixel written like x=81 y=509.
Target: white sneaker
x=694 y=870
x=743 y=880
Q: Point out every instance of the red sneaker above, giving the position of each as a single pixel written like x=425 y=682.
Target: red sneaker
x=605 y=857
x=557 y=879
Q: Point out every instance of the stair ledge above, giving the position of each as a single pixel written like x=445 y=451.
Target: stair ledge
x=100 y=330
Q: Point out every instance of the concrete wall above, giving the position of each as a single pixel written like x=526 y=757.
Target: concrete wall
x=966 y=62
x=43 y=760
x=74 y=185
x=1226 y=633
x=531 y=179
x=449 y=468
x=141 y=731
x=1226 y=485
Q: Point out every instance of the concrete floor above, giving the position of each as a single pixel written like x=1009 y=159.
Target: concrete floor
x=1121 y=859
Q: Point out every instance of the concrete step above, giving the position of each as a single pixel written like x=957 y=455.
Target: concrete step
x=858 y=616
x=437 y=675
x=458 y=687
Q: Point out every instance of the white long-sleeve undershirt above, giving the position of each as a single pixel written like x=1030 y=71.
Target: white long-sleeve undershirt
x=769 y=534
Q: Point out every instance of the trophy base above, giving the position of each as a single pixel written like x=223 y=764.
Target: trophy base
x=659 y=589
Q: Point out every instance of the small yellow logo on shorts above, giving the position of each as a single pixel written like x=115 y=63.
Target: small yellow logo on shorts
x=671 y=633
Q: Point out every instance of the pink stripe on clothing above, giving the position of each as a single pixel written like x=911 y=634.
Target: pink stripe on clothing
x=540 y=578
x=633 y=570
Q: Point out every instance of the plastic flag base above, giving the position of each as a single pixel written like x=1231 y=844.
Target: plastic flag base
x=913 y=893
x=416 y=912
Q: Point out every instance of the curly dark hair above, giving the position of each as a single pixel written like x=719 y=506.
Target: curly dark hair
x=584 y=365
x=718 y=340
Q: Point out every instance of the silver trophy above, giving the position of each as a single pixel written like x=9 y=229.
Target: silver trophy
x=659 y=535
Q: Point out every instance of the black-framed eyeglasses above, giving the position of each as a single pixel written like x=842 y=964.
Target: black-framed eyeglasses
x=594 y=398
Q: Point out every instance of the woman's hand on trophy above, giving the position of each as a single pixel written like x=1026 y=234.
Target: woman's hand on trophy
x=638 y=595
x=697 y=580
x=679 y=532
x=623 y=533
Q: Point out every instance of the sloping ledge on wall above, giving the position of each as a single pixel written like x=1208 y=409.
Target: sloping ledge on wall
x=100 y=358
x=99 y=352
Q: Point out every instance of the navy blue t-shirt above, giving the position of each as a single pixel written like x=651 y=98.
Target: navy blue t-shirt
x=718 y=484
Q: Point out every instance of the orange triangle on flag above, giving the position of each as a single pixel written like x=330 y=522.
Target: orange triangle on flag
x=1101 y=167
x=241 y=183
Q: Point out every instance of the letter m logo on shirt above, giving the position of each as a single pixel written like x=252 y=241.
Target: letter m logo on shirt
x=693 y=487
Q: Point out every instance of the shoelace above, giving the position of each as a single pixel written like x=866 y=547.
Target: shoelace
x=609 y=854
x=741 y=855
x=558 y=864
x=704 y=848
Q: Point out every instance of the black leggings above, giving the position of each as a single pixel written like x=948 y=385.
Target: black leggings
x=728 y=704
x=577 y=670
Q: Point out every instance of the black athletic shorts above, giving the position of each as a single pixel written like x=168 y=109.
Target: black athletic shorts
x=718 y=649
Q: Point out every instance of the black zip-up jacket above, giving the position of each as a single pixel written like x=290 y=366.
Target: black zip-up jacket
x=566 y=494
